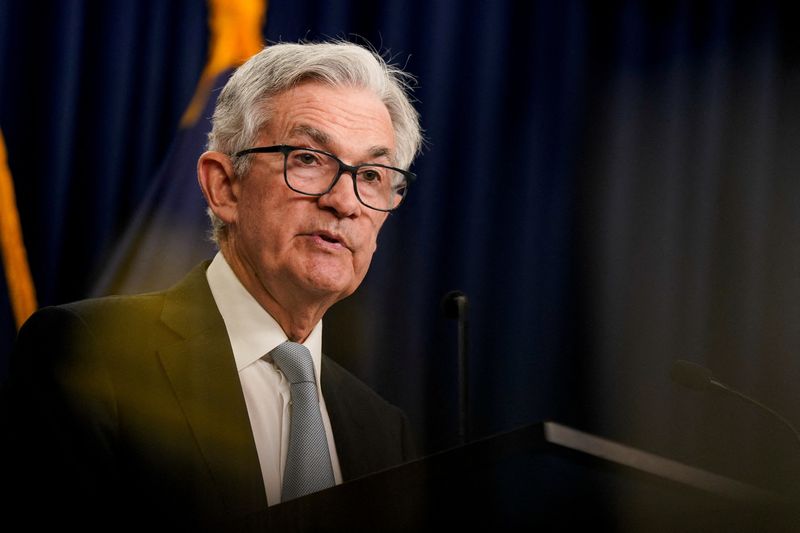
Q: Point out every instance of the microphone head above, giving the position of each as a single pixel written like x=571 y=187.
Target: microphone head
x=691 y=375
x=452 y=304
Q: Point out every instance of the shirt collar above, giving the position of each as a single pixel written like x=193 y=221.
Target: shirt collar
x=252 y=331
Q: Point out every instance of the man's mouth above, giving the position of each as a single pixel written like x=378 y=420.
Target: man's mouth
x=326 y=237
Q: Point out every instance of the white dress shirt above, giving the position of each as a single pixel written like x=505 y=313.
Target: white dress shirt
x=253 y=334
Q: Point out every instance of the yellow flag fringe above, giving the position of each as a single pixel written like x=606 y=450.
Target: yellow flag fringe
x=235 y=27
x=15 y=259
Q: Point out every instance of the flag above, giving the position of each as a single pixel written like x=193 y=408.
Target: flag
x=166 y=237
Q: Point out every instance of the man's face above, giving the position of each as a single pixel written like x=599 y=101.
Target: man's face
x=298 y=246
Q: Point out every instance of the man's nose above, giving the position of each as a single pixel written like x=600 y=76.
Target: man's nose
x=342 y=197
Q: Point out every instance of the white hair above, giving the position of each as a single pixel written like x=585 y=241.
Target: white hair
x=243 y=107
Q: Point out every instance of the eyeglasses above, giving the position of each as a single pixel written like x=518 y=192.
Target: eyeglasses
x=315 y=173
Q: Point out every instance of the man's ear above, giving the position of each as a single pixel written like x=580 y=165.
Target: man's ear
x=220 y=188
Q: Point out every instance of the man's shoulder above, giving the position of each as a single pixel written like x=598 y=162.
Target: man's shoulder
x=116 y=308
x=98 y=312
x=115 y=319
x=92 y=326
x=93 y=308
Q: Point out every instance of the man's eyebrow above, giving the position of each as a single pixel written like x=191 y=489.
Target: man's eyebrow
x=319 y=137
x=380 y=151
x=323 y=139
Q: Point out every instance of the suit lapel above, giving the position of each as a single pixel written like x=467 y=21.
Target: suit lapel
x=203 y=374
x=352 y=442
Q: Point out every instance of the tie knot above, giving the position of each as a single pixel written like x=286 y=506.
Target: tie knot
x=295 y=362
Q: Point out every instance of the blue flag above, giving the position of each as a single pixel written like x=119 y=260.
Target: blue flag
x=169 y=232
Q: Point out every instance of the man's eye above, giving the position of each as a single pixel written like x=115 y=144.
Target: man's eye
x=307 y=158
x=370 y=175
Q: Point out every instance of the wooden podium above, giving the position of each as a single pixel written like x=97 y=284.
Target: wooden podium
x=543 y=477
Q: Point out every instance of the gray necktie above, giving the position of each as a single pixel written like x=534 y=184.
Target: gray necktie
x=308 y=461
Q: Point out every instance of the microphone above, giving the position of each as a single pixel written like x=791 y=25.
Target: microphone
x=455 y=305
x=696 y=377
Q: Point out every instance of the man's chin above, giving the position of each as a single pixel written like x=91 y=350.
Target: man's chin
x=329 y=285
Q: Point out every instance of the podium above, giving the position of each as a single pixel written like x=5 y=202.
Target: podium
x=543 y=477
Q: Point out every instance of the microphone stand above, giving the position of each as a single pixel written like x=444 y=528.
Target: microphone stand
x=455 y=305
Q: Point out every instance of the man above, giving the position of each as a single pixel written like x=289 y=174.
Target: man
x=177 y=404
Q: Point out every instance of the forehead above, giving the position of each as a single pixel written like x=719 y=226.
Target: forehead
x=335 y=118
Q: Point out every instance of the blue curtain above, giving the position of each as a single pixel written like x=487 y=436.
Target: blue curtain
x=613 y=186
x=90 y=97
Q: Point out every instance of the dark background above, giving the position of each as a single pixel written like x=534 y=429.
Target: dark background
x=614 y=185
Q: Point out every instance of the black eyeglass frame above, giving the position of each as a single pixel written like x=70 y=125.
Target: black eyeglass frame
x=343 y=168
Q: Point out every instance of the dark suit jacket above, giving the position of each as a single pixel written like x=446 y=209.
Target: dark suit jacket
x=130 y=407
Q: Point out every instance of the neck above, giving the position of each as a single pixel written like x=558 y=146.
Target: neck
x=295 y=313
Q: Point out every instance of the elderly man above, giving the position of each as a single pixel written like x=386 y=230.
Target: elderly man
x=211 y=400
